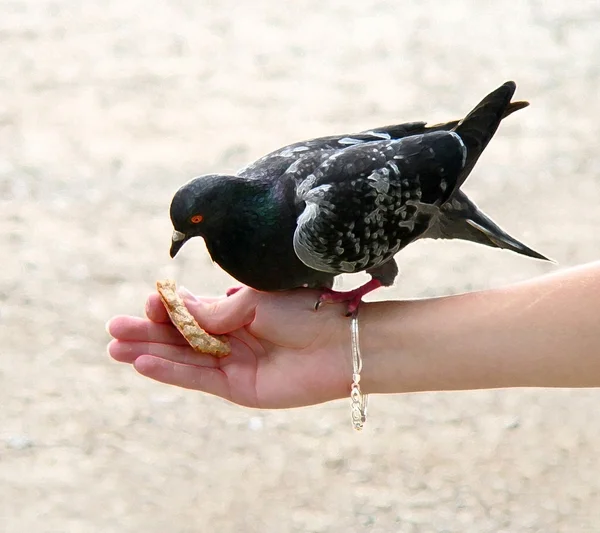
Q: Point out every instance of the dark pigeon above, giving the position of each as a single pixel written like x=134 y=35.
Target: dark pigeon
x=310 y=211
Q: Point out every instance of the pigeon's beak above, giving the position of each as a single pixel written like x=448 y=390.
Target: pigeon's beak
x=177 y=241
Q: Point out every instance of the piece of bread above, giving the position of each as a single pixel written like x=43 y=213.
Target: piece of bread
x=199 y=339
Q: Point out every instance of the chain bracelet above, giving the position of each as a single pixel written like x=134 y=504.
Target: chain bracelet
x=358 y=400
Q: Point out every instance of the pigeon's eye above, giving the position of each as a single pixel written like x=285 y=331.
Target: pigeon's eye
x=196 y=219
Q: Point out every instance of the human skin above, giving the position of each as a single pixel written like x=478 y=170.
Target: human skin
x=541 y=333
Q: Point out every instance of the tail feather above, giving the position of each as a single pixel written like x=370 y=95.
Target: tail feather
x=479 y=126
x=498 y=238
x=461 y=219
x=447 y=126
x=515 y=106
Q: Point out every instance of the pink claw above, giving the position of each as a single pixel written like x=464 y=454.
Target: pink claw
x=232 y=290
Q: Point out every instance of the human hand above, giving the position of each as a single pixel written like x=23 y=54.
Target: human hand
x=284 y=354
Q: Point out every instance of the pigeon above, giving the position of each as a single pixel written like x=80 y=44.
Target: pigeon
x=310 y=211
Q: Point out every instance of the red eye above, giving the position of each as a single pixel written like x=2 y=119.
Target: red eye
x=196 y=219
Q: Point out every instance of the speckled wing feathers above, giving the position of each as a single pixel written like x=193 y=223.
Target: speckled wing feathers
x=363 y=204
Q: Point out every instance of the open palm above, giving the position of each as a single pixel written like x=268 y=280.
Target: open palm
x=284 y=353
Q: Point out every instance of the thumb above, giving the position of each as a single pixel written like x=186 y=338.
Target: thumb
x=225 y=314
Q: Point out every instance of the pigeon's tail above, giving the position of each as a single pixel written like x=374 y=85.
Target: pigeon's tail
x=479 y=126
x=461 y=219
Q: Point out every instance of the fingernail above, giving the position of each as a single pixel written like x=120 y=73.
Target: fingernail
x=187 y=295
x=107 y=326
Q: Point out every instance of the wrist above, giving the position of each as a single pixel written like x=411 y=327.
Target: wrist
x=417 y=345
x=383 y=349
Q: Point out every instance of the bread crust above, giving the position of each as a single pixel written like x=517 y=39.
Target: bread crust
x=198 y=339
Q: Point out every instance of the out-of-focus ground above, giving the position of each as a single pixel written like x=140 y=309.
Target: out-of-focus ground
x=107 y=107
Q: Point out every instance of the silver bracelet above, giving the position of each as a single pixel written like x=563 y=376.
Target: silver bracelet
x=358 y=399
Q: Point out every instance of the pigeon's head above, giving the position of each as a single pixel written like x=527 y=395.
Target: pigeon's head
x=199 y=207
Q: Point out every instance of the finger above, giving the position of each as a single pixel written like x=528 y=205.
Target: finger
x=210 y=380
x=128 y=352
x=133 y=328
x=155 y=309
x=224 y=315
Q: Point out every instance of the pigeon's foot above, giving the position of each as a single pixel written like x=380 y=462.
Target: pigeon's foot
x=232 y=290
x=353 y=297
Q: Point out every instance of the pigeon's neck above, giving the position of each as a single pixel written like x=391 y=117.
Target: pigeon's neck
x=248 y=208
x=253 y=200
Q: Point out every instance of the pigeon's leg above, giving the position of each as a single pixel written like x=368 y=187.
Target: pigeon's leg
x=353 y=297
x=232 y=290
x=382 y=276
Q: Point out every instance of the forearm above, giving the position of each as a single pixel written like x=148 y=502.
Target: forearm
x=542 y=333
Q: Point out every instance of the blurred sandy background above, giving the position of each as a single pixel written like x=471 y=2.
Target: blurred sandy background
x=107 y=107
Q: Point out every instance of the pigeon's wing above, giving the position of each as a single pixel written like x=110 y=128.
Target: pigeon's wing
x=363 y=204
x=275 y=163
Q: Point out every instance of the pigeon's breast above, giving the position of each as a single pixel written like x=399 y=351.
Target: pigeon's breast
x=257 y=250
